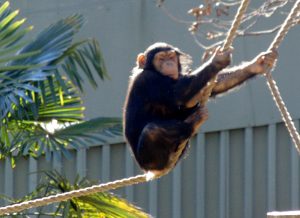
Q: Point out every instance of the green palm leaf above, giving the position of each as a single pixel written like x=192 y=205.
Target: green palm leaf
x=54 y=127
x=33 y=63
x=78 y=58
x=52 y=41
x=50 y=53
x=33 y=92
x=56 y=138
x=54 y=103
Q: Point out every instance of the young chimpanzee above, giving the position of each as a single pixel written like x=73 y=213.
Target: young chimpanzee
x=162 y=112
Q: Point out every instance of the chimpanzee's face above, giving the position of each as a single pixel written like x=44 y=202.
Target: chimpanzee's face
x=166 y=62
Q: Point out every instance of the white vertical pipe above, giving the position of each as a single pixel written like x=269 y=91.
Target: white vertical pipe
x=105 y=163
x=57 y=164
x=224 y=174
x=129 y=170
x=32 y=178
x=33 y=175
x=200 y=176
x=248 y=196
x=153 y=198
x=271 y=167
x=81 y=162
x=295 y=189
x=8 y=178
x=176 y=198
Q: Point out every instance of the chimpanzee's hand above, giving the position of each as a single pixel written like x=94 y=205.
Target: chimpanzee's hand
x=262 y=62
x=222 y=59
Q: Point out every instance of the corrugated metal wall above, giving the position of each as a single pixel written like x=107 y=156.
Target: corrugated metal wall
x=232 y=173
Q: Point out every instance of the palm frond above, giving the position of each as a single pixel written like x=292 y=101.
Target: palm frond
x=55 y=103
x=32 y=63
x=52 y=41
x=34 y=93
x=87 y=133
x=55 y=138
x=83 y=57
x=50 y=53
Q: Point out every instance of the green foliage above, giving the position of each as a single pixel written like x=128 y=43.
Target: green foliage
x=41 y=110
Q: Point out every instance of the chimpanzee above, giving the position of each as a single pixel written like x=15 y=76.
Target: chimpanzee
x=161 y=110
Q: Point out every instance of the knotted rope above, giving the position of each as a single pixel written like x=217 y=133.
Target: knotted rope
x=288 y=23
x=73 y=194
x=227 y=43
x=206 y=91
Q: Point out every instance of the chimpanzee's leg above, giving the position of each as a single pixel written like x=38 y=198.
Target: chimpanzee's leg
x=160 y=140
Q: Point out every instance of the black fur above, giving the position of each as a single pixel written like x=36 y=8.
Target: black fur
x=156 y=118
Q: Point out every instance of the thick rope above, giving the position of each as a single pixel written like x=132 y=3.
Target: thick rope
x=14 y=208
x=288 y=23
x=206 y=91
x=285 y=27
x=73 y=194
x=235 y=25
x=283 y=111
x=227 y=43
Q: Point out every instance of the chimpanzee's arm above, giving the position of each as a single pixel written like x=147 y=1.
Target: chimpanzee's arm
x=230 y=78
x=189 y=86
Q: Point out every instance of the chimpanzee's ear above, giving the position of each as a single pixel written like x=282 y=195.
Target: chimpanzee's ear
x=141 y=60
